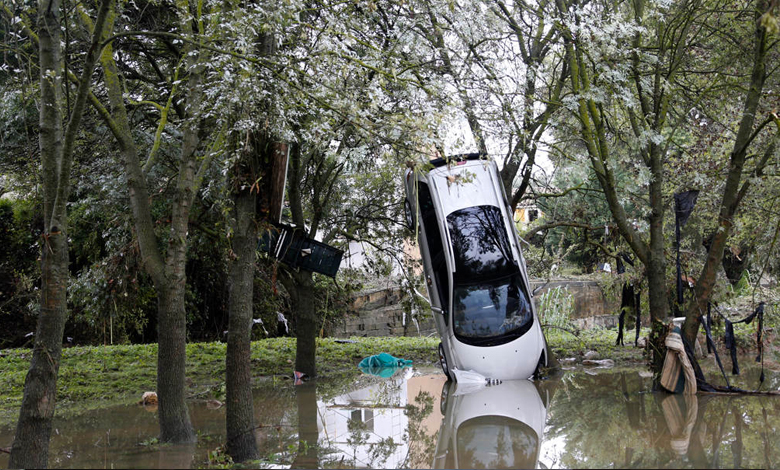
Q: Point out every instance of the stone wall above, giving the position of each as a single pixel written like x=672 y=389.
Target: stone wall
x=379 y=312
x=591 y=307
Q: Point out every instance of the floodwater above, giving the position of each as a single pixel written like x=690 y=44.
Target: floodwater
x=580 y=418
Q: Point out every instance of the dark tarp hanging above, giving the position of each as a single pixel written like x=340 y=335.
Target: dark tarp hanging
x=637 y=307
x=730 y=341
x=710 y=344
x=626 y=305
x=731 y=344
x=703 y=385
x=683 y=206
x=628 y=299
x=709 y=322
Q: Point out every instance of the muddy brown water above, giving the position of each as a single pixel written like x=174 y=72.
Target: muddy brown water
x=580 y=418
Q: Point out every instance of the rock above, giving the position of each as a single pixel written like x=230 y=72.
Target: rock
x=148 y=398
x=646 y=374
x=149 y=401
x=568 y=359
x=642 y=343
x=213 y=404
x=599 y=362
x=591 y=355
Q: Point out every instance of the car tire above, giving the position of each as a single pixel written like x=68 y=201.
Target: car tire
x=445 y=367
x=409 y=215
x=445 y=395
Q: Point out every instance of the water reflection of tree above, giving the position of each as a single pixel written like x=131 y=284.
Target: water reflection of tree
x=276 y=417
x=308 y=434
x=421 y=444
x=377 y=452
x=385 y=394
x=613 y=419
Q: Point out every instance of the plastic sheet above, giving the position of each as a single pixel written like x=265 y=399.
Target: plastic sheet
x=383 y=365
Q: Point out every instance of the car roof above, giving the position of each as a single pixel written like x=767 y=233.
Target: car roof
x=467 y=184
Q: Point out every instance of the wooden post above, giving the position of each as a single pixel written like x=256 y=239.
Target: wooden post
x=272 y=196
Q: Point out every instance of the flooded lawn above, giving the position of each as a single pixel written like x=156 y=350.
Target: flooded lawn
x=582 y=418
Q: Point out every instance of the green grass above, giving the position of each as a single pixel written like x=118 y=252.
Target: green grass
x=95 y=376
x=601 y=340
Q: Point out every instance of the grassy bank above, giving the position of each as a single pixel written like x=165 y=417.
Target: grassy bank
x=601 y=340
x=97 y=376
x=94 y=377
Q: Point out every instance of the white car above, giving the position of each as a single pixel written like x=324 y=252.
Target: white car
x=474 y=269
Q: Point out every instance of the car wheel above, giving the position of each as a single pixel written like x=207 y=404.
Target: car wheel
x=409 y=214
x=445 y=395
x=445 y=367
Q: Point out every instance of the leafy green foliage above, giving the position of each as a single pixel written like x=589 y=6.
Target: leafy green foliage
x=556 y=307
x=19 y=271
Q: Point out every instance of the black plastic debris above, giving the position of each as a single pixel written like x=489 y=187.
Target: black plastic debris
x=731 y=344
x=289 y=245
x=683 y=206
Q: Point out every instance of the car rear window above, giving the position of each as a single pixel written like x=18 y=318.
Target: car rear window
x=480 y=244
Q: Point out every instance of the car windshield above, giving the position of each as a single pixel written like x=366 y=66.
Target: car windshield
x=480 y=243
x=484 y=312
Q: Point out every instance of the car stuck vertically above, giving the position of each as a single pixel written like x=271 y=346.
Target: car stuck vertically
x=475 y=272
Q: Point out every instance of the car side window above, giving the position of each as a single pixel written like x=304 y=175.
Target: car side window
x=435 y=245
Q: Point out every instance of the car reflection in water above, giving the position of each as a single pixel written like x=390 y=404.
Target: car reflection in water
x=498 y=426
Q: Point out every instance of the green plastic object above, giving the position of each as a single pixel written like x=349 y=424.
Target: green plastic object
x=383 y=365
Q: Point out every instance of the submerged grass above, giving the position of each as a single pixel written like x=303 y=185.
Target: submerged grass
x=96 y=376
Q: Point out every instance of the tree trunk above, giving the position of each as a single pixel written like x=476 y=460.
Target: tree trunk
x=300 y=284
x=167 y=272
x=241 y=444
x=305 y=311
x=656 y=263
x=31 y=442
x=732 y=192
x=659 y=310
x=594 y=132
x=175 y=423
